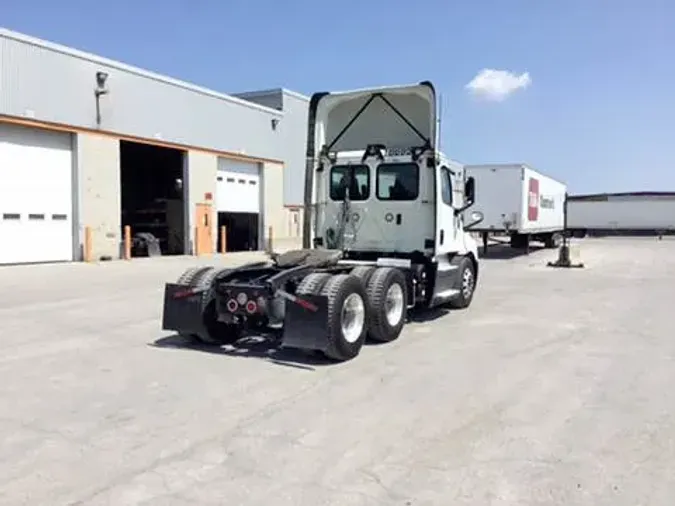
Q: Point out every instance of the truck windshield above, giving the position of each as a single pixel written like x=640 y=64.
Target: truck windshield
x=356 y=177
x=398 y=181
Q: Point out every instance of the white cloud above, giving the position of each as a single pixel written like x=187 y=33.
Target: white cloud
x=497 y=85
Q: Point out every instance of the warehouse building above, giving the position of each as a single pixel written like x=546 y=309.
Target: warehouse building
x=89 y=146
x=294 y=147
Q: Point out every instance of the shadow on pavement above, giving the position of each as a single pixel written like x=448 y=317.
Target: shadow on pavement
x=427 y=315
x=267 y=346
x=260 y=347
x=505 y=252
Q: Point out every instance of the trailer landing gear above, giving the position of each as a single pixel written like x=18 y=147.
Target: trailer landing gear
x=564 y=260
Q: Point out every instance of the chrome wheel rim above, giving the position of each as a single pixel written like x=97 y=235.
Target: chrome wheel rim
x=353 y=317
x=393 y=304
x=467 y=283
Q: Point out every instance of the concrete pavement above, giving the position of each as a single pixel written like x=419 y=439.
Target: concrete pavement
x=555 y=387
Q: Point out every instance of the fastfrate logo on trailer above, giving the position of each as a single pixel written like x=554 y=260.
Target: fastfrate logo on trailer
x=533 y=200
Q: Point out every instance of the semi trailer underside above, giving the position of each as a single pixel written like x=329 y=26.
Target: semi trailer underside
x=312 y=299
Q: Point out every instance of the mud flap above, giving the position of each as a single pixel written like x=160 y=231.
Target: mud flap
x=305 y=324
x=182 y=309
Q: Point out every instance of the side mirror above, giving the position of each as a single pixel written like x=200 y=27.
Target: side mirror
x=470 y=190
x=469 y=195
x=476 y=218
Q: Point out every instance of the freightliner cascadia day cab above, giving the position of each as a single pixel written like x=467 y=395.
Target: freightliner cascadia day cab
x=384 y=234
x=520 y=202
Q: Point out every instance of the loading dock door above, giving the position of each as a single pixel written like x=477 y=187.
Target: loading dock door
x=238 y=187
x=35 y=195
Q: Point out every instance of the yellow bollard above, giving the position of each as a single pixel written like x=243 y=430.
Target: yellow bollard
x=87 y=246
x=223 y=239
x=127 y=242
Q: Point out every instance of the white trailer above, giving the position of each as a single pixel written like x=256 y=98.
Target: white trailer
x=621 y=213
x=520 y=202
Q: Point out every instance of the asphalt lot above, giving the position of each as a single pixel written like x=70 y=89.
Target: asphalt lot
x=555 y=387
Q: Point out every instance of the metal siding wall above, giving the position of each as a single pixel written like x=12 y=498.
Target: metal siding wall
x=56 y=87
x=293 y=131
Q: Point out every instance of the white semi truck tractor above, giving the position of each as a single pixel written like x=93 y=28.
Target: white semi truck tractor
x=384 y=234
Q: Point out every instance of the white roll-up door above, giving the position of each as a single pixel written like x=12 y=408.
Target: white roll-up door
x=36 y=195
x=238 y=187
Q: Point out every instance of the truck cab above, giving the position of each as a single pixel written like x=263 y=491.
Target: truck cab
x=377 y=186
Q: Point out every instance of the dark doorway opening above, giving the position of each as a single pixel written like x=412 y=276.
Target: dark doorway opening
x=153 y=197
x=242 y=231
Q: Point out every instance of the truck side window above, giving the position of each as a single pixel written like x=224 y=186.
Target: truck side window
x=357 y=177
x=446 y=186
x=398 y=181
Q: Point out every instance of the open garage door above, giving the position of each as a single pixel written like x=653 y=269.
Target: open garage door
x=238 y=188
x=238 y=198
x=36 y=195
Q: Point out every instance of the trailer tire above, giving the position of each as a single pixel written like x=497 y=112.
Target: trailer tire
x=466 y=284
x=216 y=332
x=388 y=301
x=348 y=311
x=312 y=284
x=553 y=240
x=520 y=241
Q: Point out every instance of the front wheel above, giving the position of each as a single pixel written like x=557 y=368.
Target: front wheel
x=466 y=284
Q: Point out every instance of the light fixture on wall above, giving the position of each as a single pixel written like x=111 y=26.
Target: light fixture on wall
x=100 y=90
x=275 y=123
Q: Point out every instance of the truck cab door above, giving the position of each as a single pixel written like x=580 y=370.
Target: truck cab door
x=446 y=229
x=447 y=237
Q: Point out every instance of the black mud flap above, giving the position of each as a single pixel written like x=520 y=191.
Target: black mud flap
x=305 y=323
x=182 y=309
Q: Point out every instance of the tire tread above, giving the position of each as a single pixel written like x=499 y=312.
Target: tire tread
x=313 y=283
x=332 y=291
x=191 y=274
x=460 y=302
x=379 y=329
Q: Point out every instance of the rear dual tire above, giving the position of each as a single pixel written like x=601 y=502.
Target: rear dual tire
x=214 y=332
x=388 y=301
x=347 y=312
x=553 y=241
x=386 y=288
x=369 y=302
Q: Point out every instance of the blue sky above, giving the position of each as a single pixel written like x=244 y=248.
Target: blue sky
x=598 y=112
